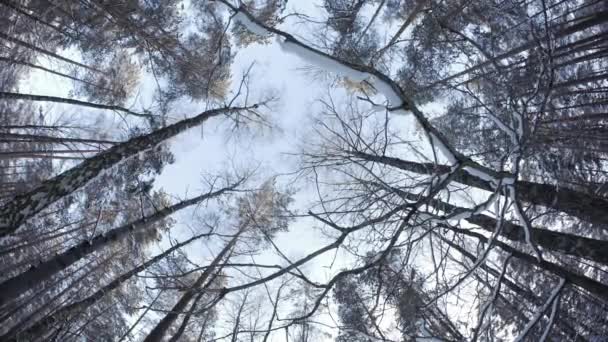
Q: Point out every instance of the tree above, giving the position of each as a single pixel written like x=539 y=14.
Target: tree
x=26 y=205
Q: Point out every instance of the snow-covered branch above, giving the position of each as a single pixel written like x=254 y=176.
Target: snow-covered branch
x=396 y=101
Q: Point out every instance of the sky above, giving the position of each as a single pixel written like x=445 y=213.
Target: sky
x=211 y=149
x=201 y=151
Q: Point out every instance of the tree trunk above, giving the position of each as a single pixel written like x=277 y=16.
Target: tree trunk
x=526 y=294
x=24 y=206
x=186 y=319
x=49 y=301
x=15 y=7
x=578 y=246
x=587 y=207
x=40 y=327
x=46 y=52
x=55 y=99
x=12 y=288
x=597 y=18
x=158 y=332
x=46 y=138
x=34 y=66
x=595 y=287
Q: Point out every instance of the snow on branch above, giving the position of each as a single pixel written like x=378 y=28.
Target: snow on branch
x=324 y=61
x=396 y=102
x=333 y=65
x=250 y=25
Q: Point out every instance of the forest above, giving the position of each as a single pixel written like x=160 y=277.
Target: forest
x=303 y=170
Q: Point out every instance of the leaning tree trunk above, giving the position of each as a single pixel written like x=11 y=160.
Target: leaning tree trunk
x=591 y=285
x=47 y=52
x=12 y=288
x=574 y=245
x=24 y=206
x=42 y=326
x=527 y=295
x=178 y=334
x=55 y=99
x=587 y=207
x=158 y=332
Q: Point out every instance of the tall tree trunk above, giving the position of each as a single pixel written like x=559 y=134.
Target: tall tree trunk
x=578 y=246
x=525 y=294
x=55 y=99
x=51 y=71
x=47 y=52
x=12 y=288
x=584 y=206
x=15 y=7
x=141 y=317
x=178 y=334
x=593 y=286
x=158 y=332
x=26 y=205
x=597 y=18
x=52 y=297
x=47 y=237
x=37 y=329
x=46 y=138
x=418 y=7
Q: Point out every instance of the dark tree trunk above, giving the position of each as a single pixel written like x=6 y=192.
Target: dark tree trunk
x=42 y=98
x=593 y=286
x=46 y=52
x=24 y=206
x=42 y=326
x=14 y=287
x=578 y=246
x=158 y=332
x=584 y=206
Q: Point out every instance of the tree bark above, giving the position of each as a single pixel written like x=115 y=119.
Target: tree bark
x=597 y=18
x=15 y=7
x=17 y=137
x=570 y=244
x=40 y=327
x=47 y=52
x=527 y=295
x=584 y=206
x=34 y=66
x=158 y=332
x=12 y=288
x=186 y=319
x=55 y=99
x=26 y=205
x=593 y=286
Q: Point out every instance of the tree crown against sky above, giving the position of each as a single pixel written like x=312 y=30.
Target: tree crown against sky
x=265 y=170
